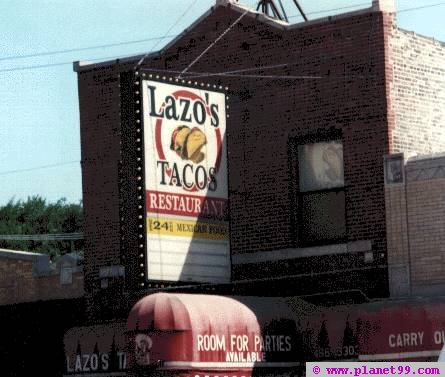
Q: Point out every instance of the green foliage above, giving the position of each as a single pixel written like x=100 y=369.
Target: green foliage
x=36 y=216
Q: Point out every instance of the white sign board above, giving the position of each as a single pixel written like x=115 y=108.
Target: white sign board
x=186 y=183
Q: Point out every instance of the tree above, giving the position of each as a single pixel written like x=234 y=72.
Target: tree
x=36 y=216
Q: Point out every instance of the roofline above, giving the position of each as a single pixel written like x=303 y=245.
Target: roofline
x=21 y=255
x=85 y=65
x=82 y=66
x=428 y=38
x=426 y=157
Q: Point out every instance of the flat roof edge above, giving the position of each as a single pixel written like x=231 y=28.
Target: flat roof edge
x=421 y=36
x=85 y=65
x=21 y=255
x=82 y=66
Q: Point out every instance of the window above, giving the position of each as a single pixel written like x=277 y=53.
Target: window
x=321 y=197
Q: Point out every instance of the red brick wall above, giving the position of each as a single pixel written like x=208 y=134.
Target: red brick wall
x=99 y=103
x=344 y=89
x=18 y=283
x=348 y=54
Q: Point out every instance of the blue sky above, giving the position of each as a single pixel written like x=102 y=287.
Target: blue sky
x=39 y=115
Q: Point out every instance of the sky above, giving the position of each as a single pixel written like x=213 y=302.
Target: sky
x=39 y=40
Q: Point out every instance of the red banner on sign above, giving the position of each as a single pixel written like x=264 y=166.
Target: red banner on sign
x=187 y=205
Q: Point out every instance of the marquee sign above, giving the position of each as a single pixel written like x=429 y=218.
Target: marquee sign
x=186 y=183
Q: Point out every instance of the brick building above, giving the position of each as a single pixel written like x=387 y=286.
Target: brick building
x=414 y=218
x=39 y=302
x=416 y=92
x=29 y=277
x=352 y=86
x=321 y=205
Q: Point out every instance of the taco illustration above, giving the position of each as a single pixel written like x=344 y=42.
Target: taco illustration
x=179 y=135
x=187 y=143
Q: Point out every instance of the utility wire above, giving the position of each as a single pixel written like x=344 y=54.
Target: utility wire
x=64 y=63
x=83 y=48
x=49 y=53
x=42 y=237
x=56 y=52
x=215 y=42
x=168 y=31
x=166 y=36
x=122 y=56
x=218 y=73
x=361 y=4
x=330 y=10
x=39 y=167
x=234 y=73
x=34 y=67
x=238 y=72
x=421 y=7
x=279 y=77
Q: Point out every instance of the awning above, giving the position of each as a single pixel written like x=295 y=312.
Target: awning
x=189 y=331
x=382 y=331
x=404 y=332
x=184 y=312
x=91 y=350
x=197 y=334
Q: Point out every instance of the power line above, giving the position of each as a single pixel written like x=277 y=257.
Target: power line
x=279 y=77
x=218 y=73
x=146 y=54
x=42 y=237
x=238 y=72
x=34 y=67
x=83 y=48
x=168 y=31
x=56 y=52
x=166 y=36
x=93 y=47
x=38 y=167
x=215 y=42
x=105 y=58
x=361 y=4
x=330 y=10
x=421 y=7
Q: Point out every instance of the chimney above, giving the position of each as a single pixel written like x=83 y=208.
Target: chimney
x=387 y=6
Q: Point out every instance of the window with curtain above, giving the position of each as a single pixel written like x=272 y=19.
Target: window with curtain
x=321 y=196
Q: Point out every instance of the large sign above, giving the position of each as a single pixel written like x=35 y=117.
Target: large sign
x=186 y=183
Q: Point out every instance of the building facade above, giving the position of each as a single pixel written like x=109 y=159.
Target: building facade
x=317 y=124
x=28 y=277
x=280 y=227
x=414 y=213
